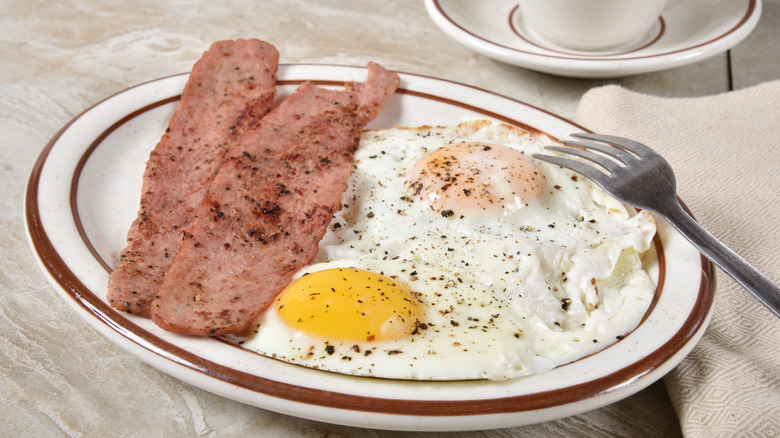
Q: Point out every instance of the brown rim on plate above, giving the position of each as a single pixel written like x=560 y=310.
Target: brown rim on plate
x=69 y=282
x=584 y=57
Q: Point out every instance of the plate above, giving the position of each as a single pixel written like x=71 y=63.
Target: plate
x=685 y=33
x=83 y=194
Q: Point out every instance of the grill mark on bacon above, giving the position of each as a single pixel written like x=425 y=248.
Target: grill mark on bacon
x=267 y=208
x=229 y=90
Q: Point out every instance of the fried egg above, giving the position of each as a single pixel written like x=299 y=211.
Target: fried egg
x=457 y=257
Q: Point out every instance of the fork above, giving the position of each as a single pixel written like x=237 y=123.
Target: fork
x=639 y=176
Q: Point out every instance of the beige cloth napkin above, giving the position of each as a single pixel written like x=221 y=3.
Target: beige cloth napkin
x=725 y=151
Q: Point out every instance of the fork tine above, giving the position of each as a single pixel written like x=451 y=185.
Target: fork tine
x=602 y=161
x=614 y=152
x=624 y=143
x=579 y=167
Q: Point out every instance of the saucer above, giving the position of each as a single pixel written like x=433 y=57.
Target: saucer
x=686 y=33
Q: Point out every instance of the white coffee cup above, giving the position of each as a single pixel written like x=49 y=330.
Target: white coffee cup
x=591 y=24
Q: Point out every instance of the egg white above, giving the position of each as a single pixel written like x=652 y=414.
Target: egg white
x=501 y=297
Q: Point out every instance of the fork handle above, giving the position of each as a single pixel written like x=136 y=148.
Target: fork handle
x=727 y=260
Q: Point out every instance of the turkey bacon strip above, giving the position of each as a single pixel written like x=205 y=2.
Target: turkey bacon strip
x=231 y=87
x=266 y=210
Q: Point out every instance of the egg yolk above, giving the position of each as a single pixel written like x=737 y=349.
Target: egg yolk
x=349 y=305
x=475 y=178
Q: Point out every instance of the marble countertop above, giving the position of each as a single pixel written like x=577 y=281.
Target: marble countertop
x=58 y=377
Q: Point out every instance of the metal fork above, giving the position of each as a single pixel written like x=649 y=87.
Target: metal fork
x=637 y=175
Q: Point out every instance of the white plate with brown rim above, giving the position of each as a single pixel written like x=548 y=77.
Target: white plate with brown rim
x=685 y=33
x=83 y=194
